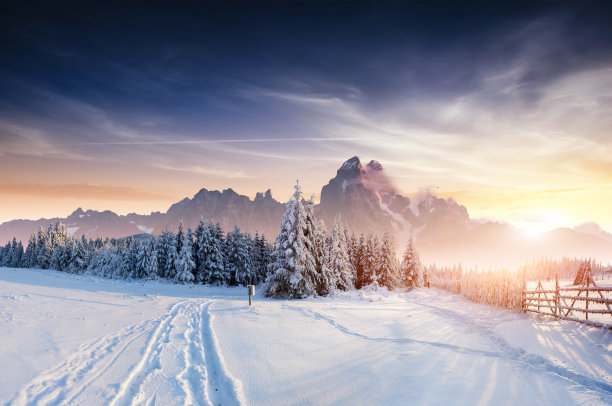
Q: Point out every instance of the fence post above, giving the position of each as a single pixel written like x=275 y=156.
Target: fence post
x=556 y=295
x=587 y=303
x=523 y=293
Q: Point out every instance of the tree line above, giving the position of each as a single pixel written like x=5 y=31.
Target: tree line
x=305 y=260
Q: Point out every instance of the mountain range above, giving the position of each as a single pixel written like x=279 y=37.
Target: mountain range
x=365 y=200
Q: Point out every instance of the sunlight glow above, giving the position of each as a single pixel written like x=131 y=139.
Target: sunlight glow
x=538 y=222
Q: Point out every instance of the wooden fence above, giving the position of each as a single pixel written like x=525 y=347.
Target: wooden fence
x=561 y=303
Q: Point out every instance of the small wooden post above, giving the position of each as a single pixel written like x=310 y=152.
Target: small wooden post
x=556 y=294
x=586 y=314
x=251 y=289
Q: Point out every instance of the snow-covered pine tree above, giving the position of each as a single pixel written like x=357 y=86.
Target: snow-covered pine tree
x=213 y=256
x=150 y=267
x=130 y=257
x=165 y=259
x=40 y=241
x=146 y=260
x=316 y=229
x=262 y=258
x=106 y=263
x=43 y=259
x=5 y=254
x=238 y=258
x=28 y=260
x=339 y=261
x=294 y=270
x=387 y=263
x=16 y=253
x=198 y=252
x=411 y=273
x=62 y=256
x=79 y=260
x=358 y=261
x=184 y=261
x=370 y=261
x=140 y=261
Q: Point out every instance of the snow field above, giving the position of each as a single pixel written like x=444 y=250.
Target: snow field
x=81 y=340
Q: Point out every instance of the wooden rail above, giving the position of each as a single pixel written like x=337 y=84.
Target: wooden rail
x=560 y=303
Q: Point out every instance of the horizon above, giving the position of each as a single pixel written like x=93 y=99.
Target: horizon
x=503 y=107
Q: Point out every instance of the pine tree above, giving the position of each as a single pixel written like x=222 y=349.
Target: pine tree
x=16 y=253
x=387 y=263
x=370 y=261
x=45 y=252
x=262 y=258
x=80 y=258
x=411 y=273
x=184 y=262
x=61 y=258
x=165 y=259
x=238 y=258
x=294 y=270
x=150 y=269
x=212 y=253
x=5 y=255
x=339 y=261
x=358 y=261
x=130 y=258
x=40 y=241
x=198 y=250
x=28 y=258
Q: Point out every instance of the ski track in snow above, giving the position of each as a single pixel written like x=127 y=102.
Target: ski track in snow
x=203 y=378
x=65 y=382
x=182 y=341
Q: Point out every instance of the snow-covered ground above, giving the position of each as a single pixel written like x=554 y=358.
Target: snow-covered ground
x=69 y=339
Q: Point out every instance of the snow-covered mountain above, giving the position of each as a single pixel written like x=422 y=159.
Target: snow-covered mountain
x=261 y=214
x=363 y=198
x=366 y=201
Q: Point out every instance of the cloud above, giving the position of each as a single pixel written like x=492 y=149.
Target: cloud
x=81 y=191
x=207 y=171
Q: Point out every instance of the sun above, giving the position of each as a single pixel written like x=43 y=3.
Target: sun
x=535 y=223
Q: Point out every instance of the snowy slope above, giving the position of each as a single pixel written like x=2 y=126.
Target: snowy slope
x=81 y=340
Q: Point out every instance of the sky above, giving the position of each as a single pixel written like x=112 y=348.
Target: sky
x=504 y=106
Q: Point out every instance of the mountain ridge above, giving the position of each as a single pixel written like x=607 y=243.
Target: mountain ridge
x=365 y=200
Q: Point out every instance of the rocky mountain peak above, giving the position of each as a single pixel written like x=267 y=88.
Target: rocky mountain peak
x=374 y=166
x=267 y=195
x=350 y=169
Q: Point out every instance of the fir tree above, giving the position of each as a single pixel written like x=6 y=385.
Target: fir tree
x=130 y=258
x=61 y=258
x=339 y=261
x=358 y=261
x=150 y=269
x=80 y=258
x=238 y=258
x=212 y=253
x=165 y=258
x=387 y=263
x=45 y=252
x=184 y=261
x=29 y=261
x=411 y=273
x=262 y=258
x=294 y=270
x=16 y=253
x=198 y=251
x=370 y=261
